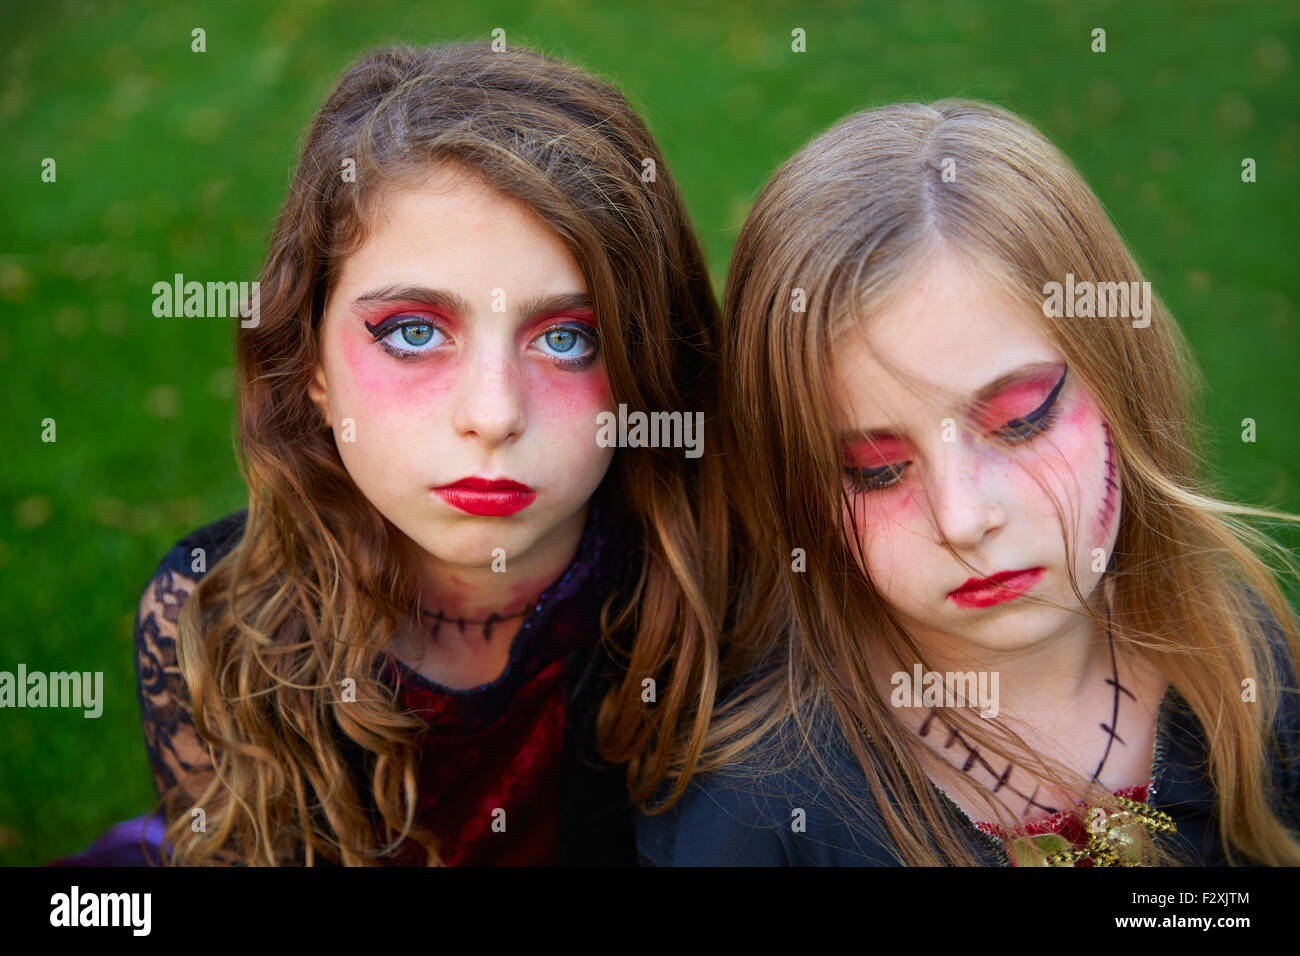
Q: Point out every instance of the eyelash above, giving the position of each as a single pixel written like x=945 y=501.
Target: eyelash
x=1018 y=431
x=584 y=332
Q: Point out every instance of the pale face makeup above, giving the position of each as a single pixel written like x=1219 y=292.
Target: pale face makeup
x=988 y=490
x=459 y=342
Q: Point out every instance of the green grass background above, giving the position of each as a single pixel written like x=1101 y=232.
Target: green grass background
x=172 y=161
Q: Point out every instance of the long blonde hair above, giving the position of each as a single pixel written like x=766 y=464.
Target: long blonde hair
x=846 y=220
x=315 y=588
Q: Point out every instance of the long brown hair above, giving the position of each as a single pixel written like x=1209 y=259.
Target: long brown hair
x=315 y=588
x=846 y=221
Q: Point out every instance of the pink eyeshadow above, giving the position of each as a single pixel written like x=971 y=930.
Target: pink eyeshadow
x=416 y=383
x=1015 y=401
x=867 y=453
x=580 y=317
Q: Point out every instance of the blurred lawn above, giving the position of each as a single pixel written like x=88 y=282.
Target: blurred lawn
x=171 y=161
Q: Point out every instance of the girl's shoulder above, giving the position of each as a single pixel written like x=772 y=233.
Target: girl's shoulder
x=178 y=755
x=1285 y=752
x=808 y=804
x=175 y=576
x=1286 y=718
x=203 y=547
x=785 y=805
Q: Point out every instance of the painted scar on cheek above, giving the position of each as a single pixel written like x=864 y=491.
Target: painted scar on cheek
x=1111 y=497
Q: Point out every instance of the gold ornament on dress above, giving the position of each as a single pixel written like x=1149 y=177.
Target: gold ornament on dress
x=1113 y=838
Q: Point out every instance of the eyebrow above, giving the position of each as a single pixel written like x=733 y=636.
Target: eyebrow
x=530 y=307
x=982 y=394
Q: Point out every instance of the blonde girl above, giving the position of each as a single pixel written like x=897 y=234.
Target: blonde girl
x=990 y=611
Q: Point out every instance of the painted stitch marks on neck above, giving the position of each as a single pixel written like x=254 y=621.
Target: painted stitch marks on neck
x=974 y=757
x=440 y=619
x=1002 y=780
x=1113 y=680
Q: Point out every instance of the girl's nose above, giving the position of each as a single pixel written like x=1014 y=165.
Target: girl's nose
x=489 y=398
x=965 y=497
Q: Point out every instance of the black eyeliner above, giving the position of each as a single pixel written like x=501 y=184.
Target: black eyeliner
x=392 y=322
x=1048 y=403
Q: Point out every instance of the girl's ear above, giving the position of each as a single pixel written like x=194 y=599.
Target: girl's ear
x=318 y=391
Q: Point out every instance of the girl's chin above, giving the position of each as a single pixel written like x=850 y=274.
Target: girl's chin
x=475 y=556
x=478 y=542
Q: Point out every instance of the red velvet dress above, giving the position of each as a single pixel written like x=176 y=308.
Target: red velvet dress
x=508 y=772
x=493 y=756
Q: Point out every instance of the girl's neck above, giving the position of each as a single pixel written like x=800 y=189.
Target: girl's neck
x=478 y=594
x=469 y=616
x=1041 y=681
x=1077 y=696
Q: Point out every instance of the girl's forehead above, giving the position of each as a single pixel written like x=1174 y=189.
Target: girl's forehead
x=454 y=230
x=443 y=196
x=941 y=350
x=949 y=334
x=888 y=402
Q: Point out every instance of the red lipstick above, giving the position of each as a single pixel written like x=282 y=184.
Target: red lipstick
x=489 y=497
x=1003 y=586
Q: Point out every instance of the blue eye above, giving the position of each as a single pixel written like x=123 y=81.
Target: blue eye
x=562 y=339
x=560 y=342
x=414 y=332
x=414 y=337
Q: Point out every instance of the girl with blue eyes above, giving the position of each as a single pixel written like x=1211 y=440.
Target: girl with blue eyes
x=992 y=615
x=398 y=653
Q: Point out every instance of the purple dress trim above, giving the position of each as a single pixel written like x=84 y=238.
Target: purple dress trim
x=120 y=845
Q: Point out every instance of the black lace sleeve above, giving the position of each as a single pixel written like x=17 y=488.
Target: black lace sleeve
x=177 y=753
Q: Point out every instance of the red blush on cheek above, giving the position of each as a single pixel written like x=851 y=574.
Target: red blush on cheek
x=561 y=393
x=1082 y=437
x=885 y=512
x=380 y=376
x=1086 y=442
x=902 y=507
